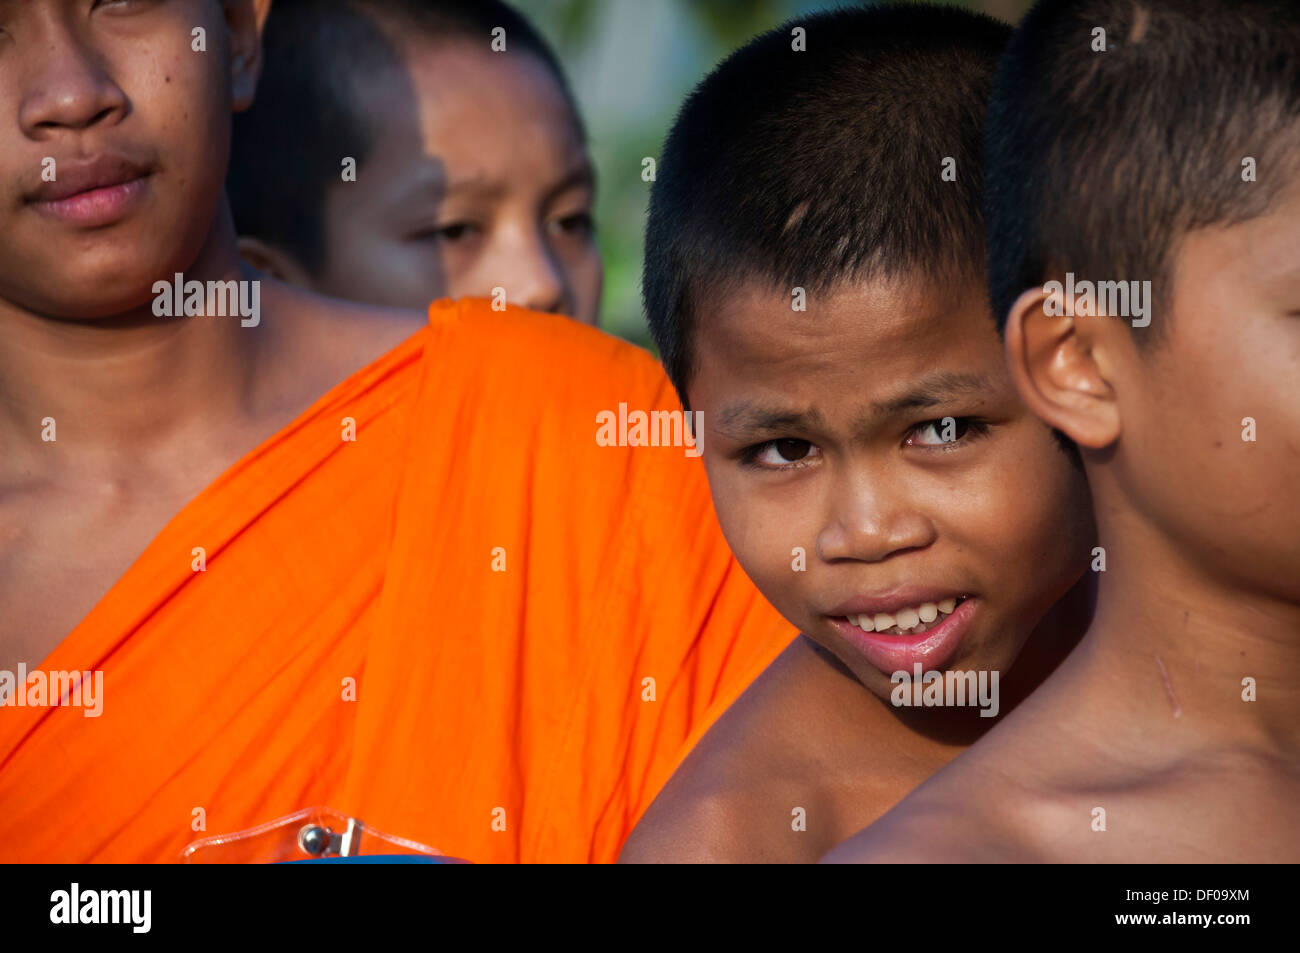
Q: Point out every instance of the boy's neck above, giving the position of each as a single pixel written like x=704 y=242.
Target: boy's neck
x=1171 y=643
x=1057 y=634
x=119 y=386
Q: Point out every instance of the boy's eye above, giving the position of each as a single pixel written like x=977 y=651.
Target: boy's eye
x=781 y=454
x=454 y=232
x=579 y=223
x=945 y=431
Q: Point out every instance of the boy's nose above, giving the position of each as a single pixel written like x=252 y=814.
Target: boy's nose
x=66 y=87
x=541 y=289
x=533 y=277
x=543 y=297
x=870 y=525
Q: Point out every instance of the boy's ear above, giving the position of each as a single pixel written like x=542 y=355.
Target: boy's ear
x=245 y=20
x=273 y=261
x=1061 y=368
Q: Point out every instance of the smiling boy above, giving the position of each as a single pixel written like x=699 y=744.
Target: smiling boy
x=814 y=282
x=470 y=167
x=1172 y=733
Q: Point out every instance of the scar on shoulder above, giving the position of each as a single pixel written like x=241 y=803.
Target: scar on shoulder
x=1169 y=688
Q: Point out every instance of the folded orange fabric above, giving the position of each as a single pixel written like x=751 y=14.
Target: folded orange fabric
x=473 y=626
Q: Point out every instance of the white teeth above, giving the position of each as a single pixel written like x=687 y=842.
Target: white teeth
x=911 y=620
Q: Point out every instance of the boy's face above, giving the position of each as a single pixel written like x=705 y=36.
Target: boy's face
x=482 y=182
x=1217 y=489
x=114 y=146
x=824 y=431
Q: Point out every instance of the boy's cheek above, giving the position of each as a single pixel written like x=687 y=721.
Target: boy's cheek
x=180 y=56
x=590 y=282
x=584 y=275
x=767 y=538
x=180 y=104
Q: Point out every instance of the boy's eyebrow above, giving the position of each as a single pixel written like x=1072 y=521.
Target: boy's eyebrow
x=931 y=391
x=748 y=418
x=582 y=175
x=479 y=185
x=432 y=181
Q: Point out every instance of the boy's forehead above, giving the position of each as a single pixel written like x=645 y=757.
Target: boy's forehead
x=1257 y=254
x=463 y=80
x=873 y=344
x=480 y=116
x=897 y=317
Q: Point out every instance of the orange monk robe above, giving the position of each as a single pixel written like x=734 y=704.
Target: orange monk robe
x=482 y=699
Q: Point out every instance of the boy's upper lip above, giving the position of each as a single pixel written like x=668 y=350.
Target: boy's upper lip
x=891 y=600
x=73 y=176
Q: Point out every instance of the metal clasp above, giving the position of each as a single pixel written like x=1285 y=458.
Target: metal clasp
x=324 y=842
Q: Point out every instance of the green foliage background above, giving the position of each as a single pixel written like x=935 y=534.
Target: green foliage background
x=631 y=63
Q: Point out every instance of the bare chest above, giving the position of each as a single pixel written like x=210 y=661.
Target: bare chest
x=59 y=555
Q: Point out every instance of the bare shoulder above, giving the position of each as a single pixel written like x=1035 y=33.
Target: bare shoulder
x=690 y=822
x=1033 y=790
x=332 y=326
x=755 y=789
x=959 y=816
x=315 y=342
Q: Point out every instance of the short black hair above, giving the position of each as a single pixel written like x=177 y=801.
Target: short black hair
x=815 y=167
x=1099 y=162
x=309 y=113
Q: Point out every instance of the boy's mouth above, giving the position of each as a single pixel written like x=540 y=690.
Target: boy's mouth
x=92 y=192
x=909 y=620
x=895 y=632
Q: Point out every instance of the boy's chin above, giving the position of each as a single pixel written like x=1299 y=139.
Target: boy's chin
x=88 y=291
x=882 y=684
x=93 y=305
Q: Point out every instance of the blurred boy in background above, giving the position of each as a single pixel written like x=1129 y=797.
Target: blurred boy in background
x=405 y=150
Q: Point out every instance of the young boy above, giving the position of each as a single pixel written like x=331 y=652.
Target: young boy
x=1162 y=155
x=305 y=554
x=814 y=281
x=469 y=163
